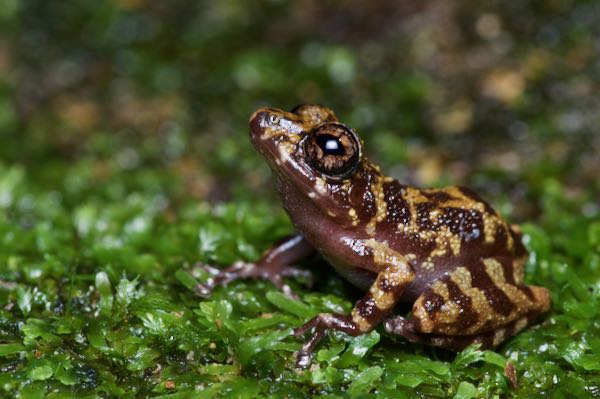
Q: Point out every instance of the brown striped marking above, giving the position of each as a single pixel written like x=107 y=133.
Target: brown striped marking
x=385 y=291
x=475 y=300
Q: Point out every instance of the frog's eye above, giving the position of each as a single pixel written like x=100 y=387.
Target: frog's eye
x=333 y=149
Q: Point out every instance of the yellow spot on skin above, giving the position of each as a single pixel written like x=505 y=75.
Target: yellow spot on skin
x=437 y=252
x=444 y=239
x=320 y=185
x=462 y=277
x=353 y=216
x=520 y=324
x=408 y=229
x=285 y=151
x=519 y=269
x=370 y=229
x=274 y=132
x=376 y=189
x=383 y=300
x=427 y=234
x=460 y=200
x=510 y=242
x=440 y=289
x=455 y=242
x=387 y=258
x=480 y=304
x=419 y=313
x=427 y=265
x=414 y=195
x=395 y=271
x=494 y=269
x=434 y=214
x=362 y=323
x=499 y=336
x=489 y=228
x=446 y=317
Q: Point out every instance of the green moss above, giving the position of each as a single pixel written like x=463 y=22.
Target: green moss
x=97 y=301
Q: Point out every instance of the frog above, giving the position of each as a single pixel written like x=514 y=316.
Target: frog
x=443 y=254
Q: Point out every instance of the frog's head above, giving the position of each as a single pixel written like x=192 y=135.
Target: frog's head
x=309 y=148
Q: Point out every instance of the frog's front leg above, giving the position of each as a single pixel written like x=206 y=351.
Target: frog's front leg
x=368 y=312
x=275 y=264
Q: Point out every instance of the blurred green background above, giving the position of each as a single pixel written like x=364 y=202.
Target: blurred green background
x=441 y=91
x=124 y=153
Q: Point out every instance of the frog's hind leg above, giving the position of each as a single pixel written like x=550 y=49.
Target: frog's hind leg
x=398 y=325
x=482 y=301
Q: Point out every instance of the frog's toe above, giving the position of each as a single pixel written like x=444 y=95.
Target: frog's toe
x=221 y=277
x=296 y=272
x=321 y=324
x=206 y=268
x=309 y=325
x=289 y=292
x=303 y=359
x=276 y=278
x=305 y=355
x=399 y=325
x=203 y=290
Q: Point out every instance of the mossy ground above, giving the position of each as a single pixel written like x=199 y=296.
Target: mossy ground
x=125 y=160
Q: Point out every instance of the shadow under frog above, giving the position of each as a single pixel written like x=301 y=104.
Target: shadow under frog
x=445 y=251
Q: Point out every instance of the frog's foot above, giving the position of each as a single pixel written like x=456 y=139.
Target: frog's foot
x=238 y=270
x=399 y=325
x=320 y=324
x=408 y=329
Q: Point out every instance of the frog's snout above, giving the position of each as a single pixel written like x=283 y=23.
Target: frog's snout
x=256 y=123
x=262 y=120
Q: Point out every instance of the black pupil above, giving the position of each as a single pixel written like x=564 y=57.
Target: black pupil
x=330 y=145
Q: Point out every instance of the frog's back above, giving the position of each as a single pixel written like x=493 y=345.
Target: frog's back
x=439 y=230
x=454 y=223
